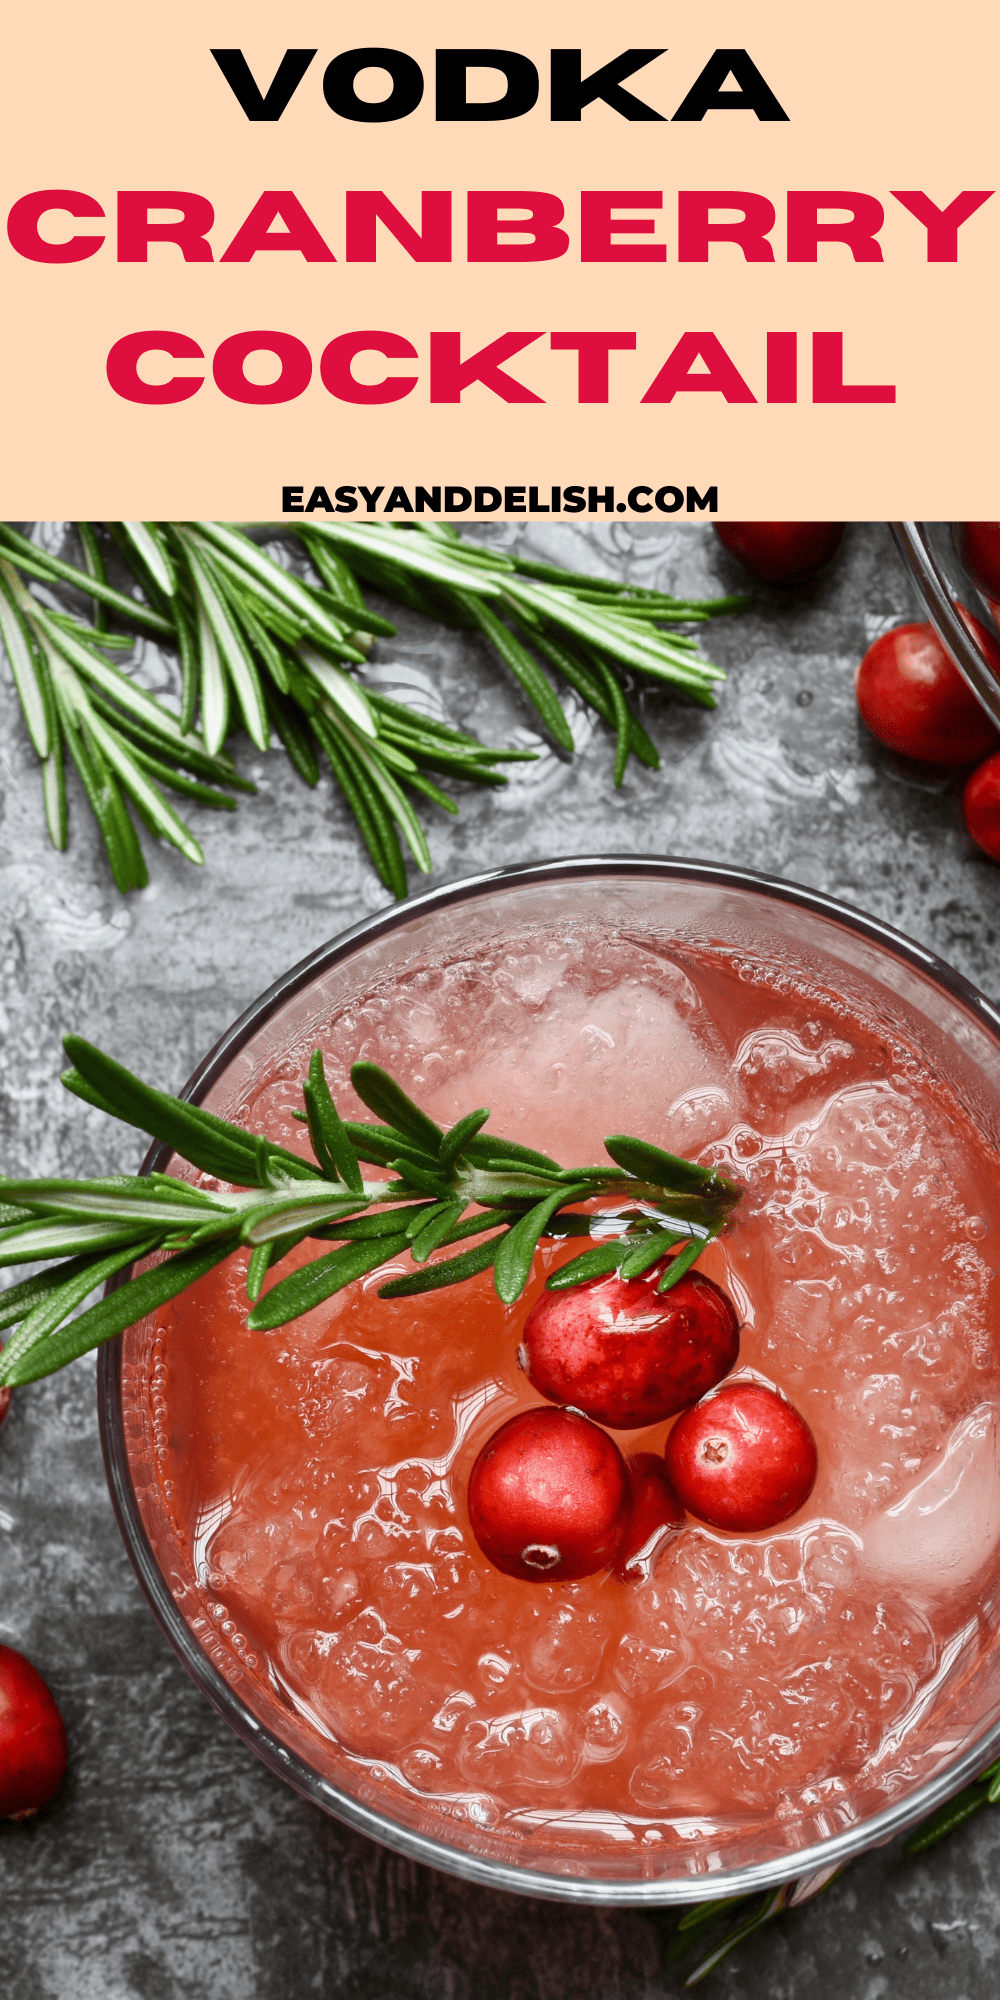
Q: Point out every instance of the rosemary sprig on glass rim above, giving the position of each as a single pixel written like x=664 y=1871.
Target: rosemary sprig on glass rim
x=275 y=1199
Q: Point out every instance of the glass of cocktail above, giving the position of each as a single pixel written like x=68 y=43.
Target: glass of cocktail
x=751 y=1706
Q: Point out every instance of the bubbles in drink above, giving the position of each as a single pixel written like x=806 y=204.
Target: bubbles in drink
x=319 y=1473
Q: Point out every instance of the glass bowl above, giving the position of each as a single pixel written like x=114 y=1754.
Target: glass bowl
x=915 y=995
x=931 y=551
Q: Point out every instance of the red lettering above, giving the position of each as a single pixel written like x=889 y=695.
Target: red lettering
x=487 y=223
x=367 y=207
x=450 y=374
x=335 y=367
x=695 y=231
x=942 y=224
x=721 y=374
x=299 y=232
x=599 y=221
x=123 y=367
x=782 y=367
x=828 y=376
x=26 y=214
x=135 y=231
x=228 y=367
x=593 y=350
x=858 y=230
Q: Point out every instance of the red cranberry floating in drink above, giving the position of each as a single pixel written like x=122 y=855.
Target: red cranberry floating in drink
x=781 y=551
x=548 y=1497
x=32 y=1738
x=743 y=1460
x=626 y=1355
x=654 y=1513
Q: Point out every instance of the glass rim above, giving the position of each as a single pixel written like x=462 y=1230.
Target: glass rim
x=975 y=668
x=874 y=1831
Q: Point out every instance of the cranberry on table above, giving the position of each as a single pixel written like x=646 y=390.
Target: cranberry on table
x=979 y=542
x=981 y=806
x=32 y=1738
x=654 y=1513
x=742 y=1460
x=626 y=1355
x=548 y=1497
x=914 y=700
x=781 y=551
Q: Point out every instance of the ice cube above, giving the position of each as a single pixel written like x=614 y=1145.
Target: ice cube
x=529 y=1746
x=947 y=1527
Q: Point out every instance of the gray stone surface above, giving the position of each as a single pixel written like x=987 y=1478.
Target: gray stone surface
x=172 y=1866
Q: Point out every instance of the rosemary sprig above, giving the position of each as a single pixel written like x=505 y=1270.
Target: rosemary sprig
x=275 y=1200
x=126 y=747
x=701 y=1920
x=260 y=646
x=984 y=1792
x=755 y=1911
x=275 y=652
x=597 y=633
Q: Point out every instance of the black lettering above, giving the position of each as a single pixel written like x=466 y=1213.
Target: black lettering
x=428 y=499
x=291 y=500
x=633 y=500
x=370 y=496
x=534 y=505
x=284 y=83
x=452 y=85
x=319 y=497
x=706 y=92
x=488 y=505
x=347 y=500
x=676 y=499
x=556 y=500
x=398 y=502
x=340 y=75
x=697 y=502
x=596 y=499
x=513 y=500
x=574 y=500
x=457 y=499
x=571 y=90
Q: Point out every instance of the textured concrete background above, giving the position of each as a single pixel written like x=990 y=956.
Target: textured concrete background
x=172 y=1866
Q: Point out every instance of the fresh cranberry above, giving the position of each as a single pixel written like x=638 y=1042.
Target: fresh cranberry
x=781 y=551
x=548 y=1497
x=744 y=1459
x=979 y=542
x=981 y=806
x=654 y=1513
x=4 y=1403
x=914 y=700
x=32 y=1738
x=625 y=1355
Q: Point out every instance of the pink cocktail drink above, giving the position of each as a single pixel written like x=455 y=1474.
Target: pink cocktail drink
x=777 y=1684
